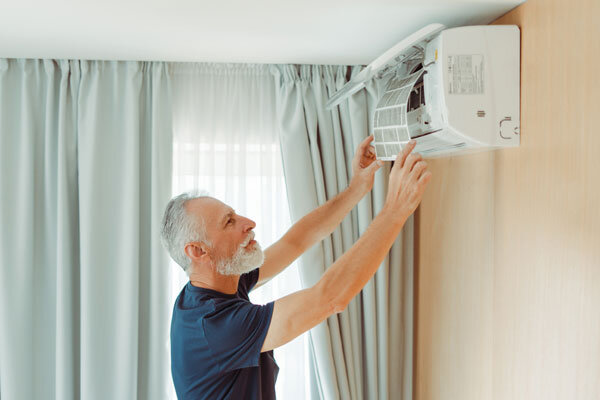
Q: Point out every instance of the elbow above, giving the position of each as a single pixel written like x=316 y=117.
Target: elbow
x=333 y=298
x=339 y=306
x=335 y=306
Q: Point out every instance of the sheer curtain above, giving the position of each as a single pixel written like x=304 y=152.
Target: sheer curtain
x=225 y=141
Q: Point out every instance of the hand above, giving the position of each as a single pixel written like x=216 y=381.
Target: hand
x=408 y=179
x=364 y=165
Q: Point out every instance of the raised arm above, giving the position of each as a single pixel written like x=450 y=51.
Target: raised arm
x=320 y=222
x=302 y=310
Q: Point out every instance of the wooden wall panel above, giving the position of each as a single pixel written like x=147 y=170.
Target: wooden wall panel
x=508 y=242
x=455 y=275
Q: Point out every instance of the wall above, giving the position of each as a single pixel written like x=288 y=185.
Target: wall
x=508 y=242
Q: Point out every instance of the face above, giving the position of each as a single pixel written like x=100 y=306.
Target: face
x=234 y=250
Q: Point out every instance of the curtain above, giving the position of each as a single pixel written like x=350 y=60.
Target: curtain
x=364 y=352
x=85 y=155
x=225 y=141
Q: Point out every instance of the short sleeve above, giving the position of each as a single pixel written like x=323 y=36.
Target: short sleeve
x=236 y=331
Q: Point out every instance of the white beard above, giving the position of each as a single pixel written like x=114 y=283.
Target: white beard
x=242 y=261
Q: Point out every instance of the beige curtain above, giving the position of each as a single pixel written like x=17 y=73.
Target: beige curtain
x=364 y=352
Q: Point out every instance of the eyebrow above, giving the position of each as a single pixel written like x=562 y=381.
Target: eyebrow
x=230 y=213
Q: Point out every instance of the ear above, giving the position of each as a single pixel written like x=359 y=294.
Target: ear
x=196 y=251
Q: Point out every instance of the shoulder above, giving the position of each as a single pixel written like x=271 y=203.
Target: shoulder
x=193 y=298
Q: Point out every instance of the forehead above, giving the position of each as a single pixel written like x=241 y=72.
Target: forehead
x=210 y=209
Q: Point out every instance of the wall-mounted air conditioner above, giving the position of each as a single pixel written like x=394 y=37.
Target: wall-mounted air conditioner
x=452 y=90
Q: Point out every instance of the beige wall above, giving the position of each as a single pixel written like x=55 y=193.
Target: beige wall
x=508 y=242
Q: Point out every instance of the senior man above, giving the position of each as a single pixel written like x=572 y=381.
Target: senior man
x=221 y=343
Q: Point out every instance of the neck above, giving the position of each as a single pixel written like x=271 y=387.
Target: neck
x=208 y=278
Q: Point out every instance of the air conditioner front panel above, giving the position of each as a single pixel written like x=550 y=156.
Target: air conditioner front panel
x=480 y=69
x=455 y=91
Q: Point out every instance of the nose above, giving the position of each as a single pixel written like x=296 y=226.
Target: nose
x=248 y=225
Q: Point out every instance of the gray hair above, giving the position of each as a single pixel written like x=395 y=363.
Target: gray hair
x=179 y=228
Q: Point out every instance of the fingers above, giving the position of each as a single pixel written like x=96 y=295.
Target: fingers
x=418 y=168
x=365 y=148
x=366 y=142
x=423 y=181
x=411 y=161
x=365 y=153
x=374 y=166
x=425 y=178
x=404 y=153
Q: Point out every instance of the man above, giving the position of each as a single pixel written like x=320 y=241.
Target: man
x=221 y=343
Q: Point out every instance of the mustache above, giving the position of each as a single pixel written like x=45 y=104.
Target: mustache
x=248 y=239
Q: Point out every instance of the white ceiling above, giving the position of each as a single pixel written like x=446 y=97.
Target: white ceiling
x=260 y=31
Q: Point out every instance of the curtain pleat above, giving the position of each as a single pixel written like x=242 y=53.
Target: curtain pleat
x=363 y=352
x=85 y=152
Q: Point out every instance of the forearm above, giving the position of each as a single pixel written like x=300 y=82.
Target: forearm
x=345 y=278
x=320 y=222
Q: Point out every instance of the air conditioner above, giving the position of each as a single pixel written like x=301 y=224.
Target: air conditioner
x=452 y=90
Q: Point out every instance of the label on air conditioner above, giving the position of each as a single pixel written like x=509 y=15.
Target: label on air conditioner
x=465 y=74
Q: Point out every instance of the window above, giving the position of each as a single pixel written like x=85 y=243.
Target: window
x=225 y=142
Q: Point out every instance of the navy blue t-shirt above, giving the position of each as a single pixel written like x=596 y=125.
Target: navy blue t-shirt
x=215 y=344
